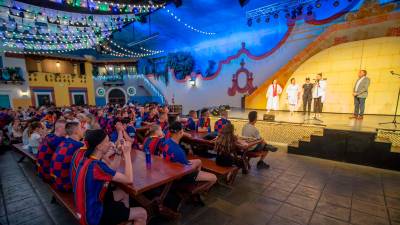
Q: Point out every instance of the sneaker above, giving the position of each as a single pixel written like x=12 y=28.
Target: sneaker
x=353 y=117
x=271 y=148
x=262 y=165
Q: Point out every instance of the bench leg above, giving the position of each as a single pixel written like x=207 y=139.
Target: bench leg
x=232 y=177
x=53 y=200
x=21 y=159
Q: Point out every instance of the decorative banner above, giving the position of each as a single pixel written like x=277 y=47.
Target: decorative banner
x=248 y=88
x=100 y=91
x=131 y=91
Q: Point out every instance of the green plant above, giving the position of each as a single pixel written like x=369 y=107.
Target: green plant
x=181 y=62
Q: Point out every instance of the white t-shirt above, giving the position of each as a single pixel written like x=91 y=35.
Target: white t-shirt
x=249 y=130
x=34 y=141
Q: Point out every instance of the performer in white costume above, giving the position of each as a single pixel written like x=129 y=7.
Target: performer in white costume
x=293 y=93
x=273 y=92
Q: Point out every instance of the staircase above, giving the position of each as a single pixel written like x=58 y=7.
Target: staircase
x=348 y=145
x=156 y=94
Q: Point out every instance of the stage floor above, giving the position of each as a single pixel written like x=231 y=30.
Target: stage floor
x=331 y=120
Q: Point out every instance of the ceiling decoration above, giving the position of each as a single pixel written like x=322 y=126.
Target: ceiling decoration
x=30 y=29
x=100 y=7
x=113 y=7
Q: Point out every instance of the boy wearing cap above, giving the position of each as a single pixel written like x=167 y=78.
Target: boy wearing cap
x=95 y=200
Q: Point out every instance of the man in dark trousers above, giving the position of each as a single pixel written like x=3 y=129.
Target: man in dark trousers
x=360 y=93
x=307 y=96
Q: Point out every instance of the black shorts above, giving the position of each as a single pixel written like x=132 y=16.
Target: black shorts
x=190 y=178
x=113 y=212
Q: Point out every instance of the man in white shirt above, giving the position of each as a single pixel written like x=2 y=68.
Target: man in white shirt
x=249 y=130
x=360 y=93
x=319 y=94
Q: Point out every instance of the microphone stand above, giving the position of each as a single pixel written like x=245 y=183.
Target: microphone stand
x=394 y=122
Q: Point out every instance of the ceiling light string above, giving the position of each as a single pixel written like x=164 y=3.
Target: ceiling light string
x=169 y=12
x=120 y=54
x=151 y=51
x=14 y=34
x=132 y=52
x=36 y=46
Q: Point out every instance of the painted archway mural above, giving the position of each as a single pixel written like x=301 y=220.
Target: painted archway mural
x=236 y=88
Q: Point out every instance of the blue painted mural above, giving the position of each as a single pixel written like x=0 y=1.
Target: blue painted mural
x=229 y=23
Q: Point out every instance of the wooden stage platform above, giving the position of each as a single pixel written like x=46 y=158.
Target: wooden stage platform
x=337 y=137
x=369 y=123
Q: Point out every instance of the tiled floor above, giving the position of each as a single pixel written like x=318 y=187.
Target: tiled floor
x=296 y=190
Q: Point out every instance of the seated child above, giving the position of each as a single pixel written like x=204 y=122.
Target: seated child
x=61 y=160
x=204 y=124
x=219 y=124
x=96 y=201
x=173 y=152
x=154 y=140
x=192 y=121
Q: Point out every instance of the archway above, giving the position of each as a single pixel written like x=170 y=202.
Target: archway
x=116 y=96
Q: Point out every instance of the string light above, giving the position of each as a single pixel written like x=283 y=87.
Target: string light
x=37 y=52
x=42 y=46
x=152 y=51
x=48 y=36
x=136 y=54
x=110 y=6
x=187 y=25
x=63 y=18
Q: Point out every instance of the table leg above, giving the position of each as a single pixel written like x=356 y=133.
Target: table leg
x=156 y=205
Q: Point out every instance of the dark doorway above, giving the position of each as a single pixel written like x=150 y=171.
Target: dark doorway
x=116 y=96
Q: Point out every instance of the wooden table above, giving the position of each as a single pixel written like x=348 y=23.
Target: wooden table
x=197 y=138
x=161 y=173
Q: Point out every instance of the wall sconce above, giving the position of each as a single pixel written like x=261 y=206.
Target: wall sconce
x=58 y=64
x=24 y=93
x=110 y=68
x=192 y=82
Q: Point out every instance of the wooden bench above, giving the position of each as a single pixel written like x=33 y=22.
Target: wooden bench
x=25 y=153
x=210 y=166
x=66 y=200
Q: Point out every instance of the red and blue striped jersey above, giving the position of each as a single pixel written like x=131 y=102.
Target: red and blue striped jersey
x=219 y=124
x=60 y=165
x=46 y=150
x=173 y=152
x=204 y=123
x=91 y=185
x=77 y=159
x=154 y=144
x=191 y=124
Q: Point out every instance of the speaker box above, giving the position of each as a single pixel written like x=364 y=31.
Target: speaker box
x=243 y=2
x=268 y=117
x=177 y=3
x=82 y=68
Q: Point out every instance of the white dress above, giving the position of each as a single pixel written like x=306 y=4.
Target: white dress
x=293 y=94
x=273 y=101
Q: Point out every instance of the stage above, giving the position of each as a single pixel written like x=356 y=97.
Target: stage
x=337 y=137
x=331 y=120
